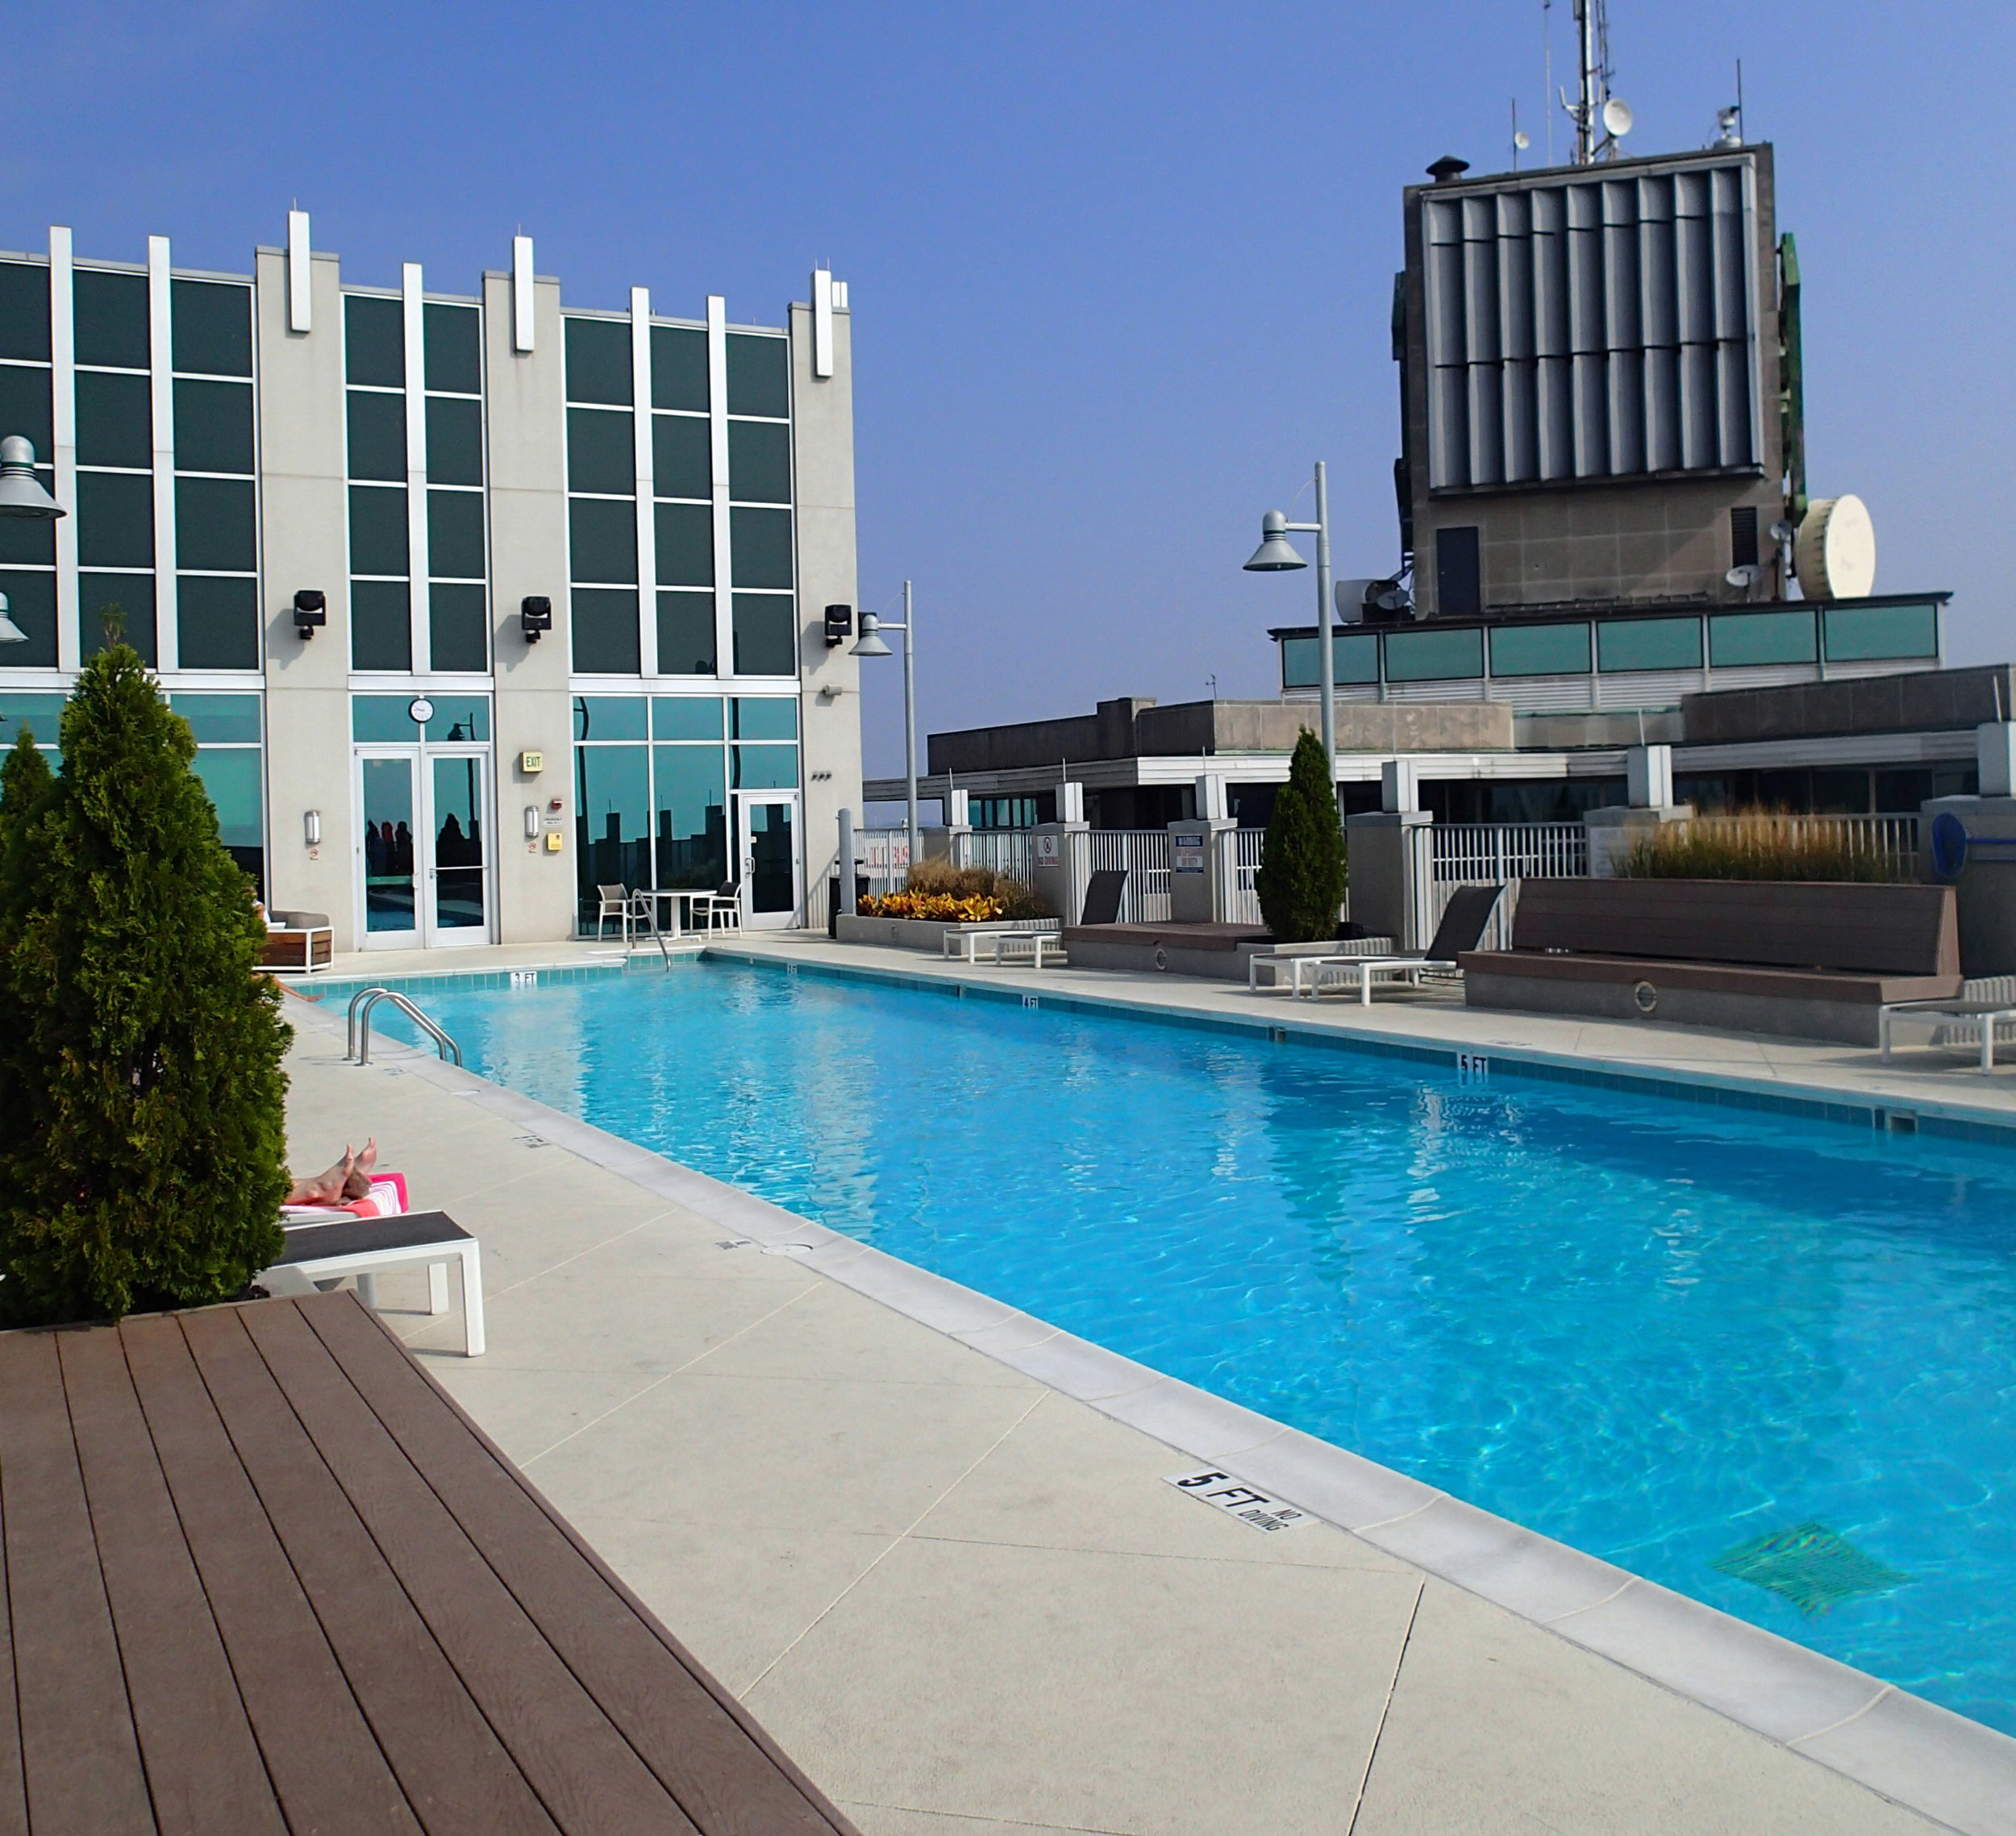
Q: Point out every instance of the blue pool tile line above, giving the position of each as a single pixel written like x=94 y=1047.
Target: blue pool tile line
x=325 y=991
x=1511 y=1062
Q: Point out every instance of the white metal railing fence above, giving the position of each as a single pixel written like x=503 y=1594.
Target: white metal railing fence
x=1144 y=854
x=1493 y=854
x=1241 y=902
x=884 y=859
x=1894 y=839
x=1010 y=852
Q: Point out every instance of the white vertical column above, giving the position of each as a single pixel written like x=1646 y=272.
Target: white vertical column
x=522 y=295
x=416 y=464
x=300 y=274
x=647 y=514
x=822 y=323
x=160 y=358
x=718 y=431
x=63 y=396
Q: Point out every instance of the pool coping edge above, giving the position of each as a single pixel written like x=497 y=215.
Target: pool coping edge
x=1925 y=1758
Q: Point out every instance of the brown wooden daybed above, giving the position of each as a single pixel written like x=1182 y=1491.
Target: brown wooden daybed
x=1805 y=960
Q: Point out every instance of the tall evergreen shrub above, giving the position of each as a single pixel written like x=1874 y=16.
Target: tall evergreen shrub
x=1301 y=880
x=142 y=1142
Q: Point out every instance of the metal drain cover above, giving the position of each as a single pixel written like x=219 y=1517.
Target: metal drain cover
x=1809 y=1565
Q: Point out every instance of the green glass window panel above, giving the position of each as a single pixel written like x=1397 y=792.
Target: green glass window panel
x=681 y=456
x=612 y=795
x=232 y=777
x=760 y=541
x=133 y=596
x=598 y=361
x=678 y=367
x=458 y=619
x=759 y=462
x=219 y=720
x=604 y=623
x=216 y=525
x=690 y=802
x=685 y=636
x=765 y=768
x=452 y=336
x=218 y=623
x=455 y=534
x=29 y=540
x=765 y=635
x=759 y=375
x=455 y=440
x=1434 y=657
x=110 y=312
x=24 y=310
x=377 y=435
x=380 y=625
x=609 y=717
x=1353 y=660
x=210 y=328
x=41 y=714
x=601 y=451
x=1735 y=639
x=1860 y=634
x=1540 y=649
x=685 y=544
x=603 y=541
x=114 y=420
x=374 y=340
x=114 y=519
x=766 y=717
x=457 y=717
x=214 y=426
x=685 y=716
x=1648 y=643
x=378 y=533
x=380 y=718
x=30 y=604
x=25 y=407
x=1299 y=662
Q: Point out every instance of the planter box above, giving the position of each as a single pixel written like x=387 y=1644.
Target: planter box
x=927 y=935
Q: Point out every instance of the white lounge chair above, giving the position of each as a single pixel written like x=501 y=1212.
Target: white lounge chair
x=319 y=1255
x=1462 y=928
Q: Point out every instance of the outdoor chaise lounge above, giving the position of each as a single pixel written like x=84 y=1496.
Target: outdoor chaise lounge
x=1102 y=894
x=298 y=942
x=1983 y=1012
x=319 y=1254
x=1462 y=928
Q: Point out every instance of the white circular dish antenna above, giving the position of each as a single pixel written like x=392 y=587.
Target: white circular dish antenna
x=1618 y=118
x=1835 y=550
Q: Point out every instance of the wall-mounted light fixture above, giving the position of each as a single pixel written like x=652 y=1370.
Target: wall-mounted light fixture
x=535 y=615
x=311 y=828
x=531 y=822
x=311 y=610
x=840 y=626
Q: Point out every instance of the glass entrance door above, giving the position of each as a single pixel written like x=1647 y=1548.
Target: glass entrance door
x=424 y=849
x=770 y=893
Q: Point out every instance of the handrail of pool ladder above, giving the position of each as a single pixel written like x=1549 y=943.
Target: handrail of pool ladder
x=359 y=1025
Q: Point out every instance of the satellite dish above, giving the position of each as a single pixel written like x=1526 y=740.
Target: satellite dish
x=1744 y=577
x=1835 y=553
x=1521 y=140
x=1351 y=597
x=1618 y=118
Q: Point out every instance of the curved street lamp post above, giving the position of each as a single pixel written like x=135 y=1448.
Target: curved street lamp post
x=1276 y=556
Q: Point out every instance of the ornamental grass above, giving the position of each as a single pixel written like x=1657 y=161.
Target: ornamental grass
x=1760 y=844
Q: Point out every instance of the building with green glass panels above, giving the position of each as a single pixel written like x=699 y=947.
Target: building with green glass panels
x=477 y=603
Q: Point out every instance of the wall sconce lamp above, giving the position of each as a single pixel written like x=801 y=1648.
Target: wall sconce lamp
x=840 y=626
x=531 y=822
x=535 y=615
x=311 y=610
x=311 y=828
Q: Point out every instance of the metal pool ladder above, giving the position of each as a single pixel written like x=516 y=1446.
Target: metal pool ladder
x=359 y=1025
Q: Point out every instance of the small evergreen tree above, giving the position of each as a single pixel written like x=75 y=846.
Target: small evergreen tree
x=1301 y=880
x=142 y=1118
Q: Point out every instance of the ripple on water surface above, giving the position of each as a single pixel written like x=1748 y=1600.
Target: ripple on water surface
x=1659 y=1330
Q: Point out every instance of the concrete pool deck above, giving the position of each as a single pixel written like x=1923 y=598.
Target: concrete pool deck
x=964 y=1598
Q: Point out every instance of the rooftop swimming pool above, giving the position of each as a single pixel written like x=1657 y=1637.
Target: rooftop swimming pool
x=1767 y=1360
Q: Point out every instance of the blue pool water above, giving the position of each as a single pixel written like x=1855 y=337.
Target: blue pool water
x=1652 y=1328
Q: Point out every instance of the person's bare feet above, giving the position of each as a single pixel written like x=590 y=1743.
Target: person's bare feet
x=357 y=1183
x=327 y=1187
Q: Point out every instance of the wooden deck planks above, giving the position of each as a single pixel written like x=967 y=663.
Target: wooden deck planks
x=319 y=1752
x=453 y=1771
x=730 y=1778
x=584 y=1770
x=14 y=1801
x=80 y=1759
x=203 y=1768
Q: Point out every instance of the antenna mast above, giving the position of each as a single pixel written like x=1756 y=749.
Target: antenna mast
x=1590 y=74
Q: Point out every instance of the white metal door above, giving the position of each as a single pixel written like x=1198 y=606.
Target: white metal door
x=772 y=875
x=424 y=851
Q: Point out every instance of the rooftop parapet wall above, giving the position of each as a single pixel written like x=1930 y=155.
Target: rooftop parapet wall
x=1138 y=728
x=1918 y=701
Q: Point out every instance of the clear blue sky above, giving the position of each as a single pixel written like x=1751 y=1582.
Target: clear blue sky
x=1119 y=271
